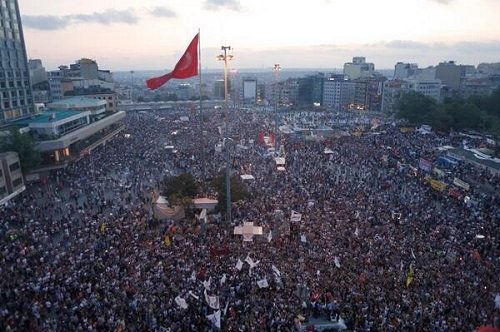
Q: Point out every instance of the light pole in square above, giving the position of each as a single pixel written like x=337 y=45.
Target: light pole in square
x=226 y=57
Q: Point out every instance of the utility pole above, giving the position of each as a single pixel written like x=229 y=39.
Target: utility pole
x=276 y=70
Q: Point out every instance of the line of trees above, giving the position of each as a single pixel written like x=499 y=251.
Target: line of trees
x=479 y=113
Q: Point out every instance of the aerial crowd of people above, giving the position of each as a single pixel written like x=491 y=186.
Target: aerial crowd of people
x=353 y=236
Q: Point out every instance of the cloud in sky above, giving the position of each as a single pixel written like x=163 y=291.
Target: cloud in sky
x=162 y=12
x=443 y=2
x=223 y=4
x=53 y=22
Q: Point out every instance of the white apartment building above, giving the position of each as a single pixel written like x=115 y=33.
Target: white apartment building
x=338 y=92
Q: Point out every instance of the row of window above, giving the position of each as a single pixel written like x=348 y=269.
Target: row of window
x=14 y=84
x=17 y=182
x=12 y=94
x=71 y=126
x=15 y=166
x=18 y=69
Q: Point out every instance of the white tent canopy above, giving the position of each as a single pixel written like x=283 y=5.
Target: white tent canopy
x=205 y=203
x=247 y=177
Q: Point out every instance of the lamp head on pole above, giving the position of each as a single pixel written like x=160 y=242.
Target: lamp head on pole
x=224 y=56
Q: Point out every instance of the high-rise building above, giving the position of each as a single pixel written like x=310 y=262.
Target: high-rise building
x=311 y=89
x=338 y=92
x=16 y=98
x=358 y=68
x=368 y=93
x=451 y=74
x=405 y=70
x=37 y=71
x=83 y=78
x=249 y=90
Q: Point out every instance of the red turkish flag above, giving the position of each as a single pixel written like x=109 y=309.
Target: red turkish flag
x=186 y=67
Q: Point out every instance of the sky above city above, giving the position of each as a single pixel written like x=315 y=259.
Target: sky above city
x=153 y=34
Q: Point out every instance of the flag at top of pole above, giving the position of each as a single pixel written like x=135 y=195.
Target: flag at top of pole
x=186 y=67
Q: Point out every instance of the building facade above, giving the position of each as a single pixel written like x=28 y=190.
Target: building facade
x=451 y=74
x=358 y=68
x=83 y=78
x=70 y=128
x=405 y=70
x=368 y=94
x=392 y=93
x=428 y=87
x=338 y=93
x=16 y=98
x=11 y=177
x=311 y=89
x=249 y=91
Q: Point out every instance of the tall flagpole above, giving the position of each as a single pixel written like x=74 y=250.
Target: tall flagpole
x=202 y=140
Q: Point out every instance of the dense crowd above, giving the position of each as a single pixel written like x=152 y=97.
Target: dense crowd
x=375 y=246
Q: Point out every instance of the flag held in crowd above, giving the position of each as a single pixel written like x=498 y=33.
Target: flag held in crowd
x=276 y=271
x=336 y=260
x=239 y=265
x=206 y=283
x=263 y=283
x=250 y=262
x=223 y=279
x=186 y=67
x=212 y=300
x=413 y=254
x=409 y=277
x=215 y=318
x=181 y=302
x=194 y=295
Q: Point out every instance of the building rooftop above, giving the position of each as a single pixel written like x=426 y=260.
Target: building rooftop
x=48 y=116
x=77 y=102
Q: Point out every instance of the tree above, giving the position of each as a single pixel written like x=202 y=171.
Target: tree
x=439 y=119
x=238 y=189
x=25 y=146
x=181 y=186
x=414 y=107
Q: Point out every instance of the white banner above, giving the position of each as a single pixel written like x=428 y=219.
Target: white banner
x=461 y=184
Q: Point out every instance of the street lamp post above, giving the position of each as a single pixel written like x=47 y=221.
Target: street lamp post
x=276 y=70
x=226 y=57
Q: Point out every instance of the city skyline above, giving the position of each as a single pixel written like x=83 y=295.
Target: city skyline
x=323 y=34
